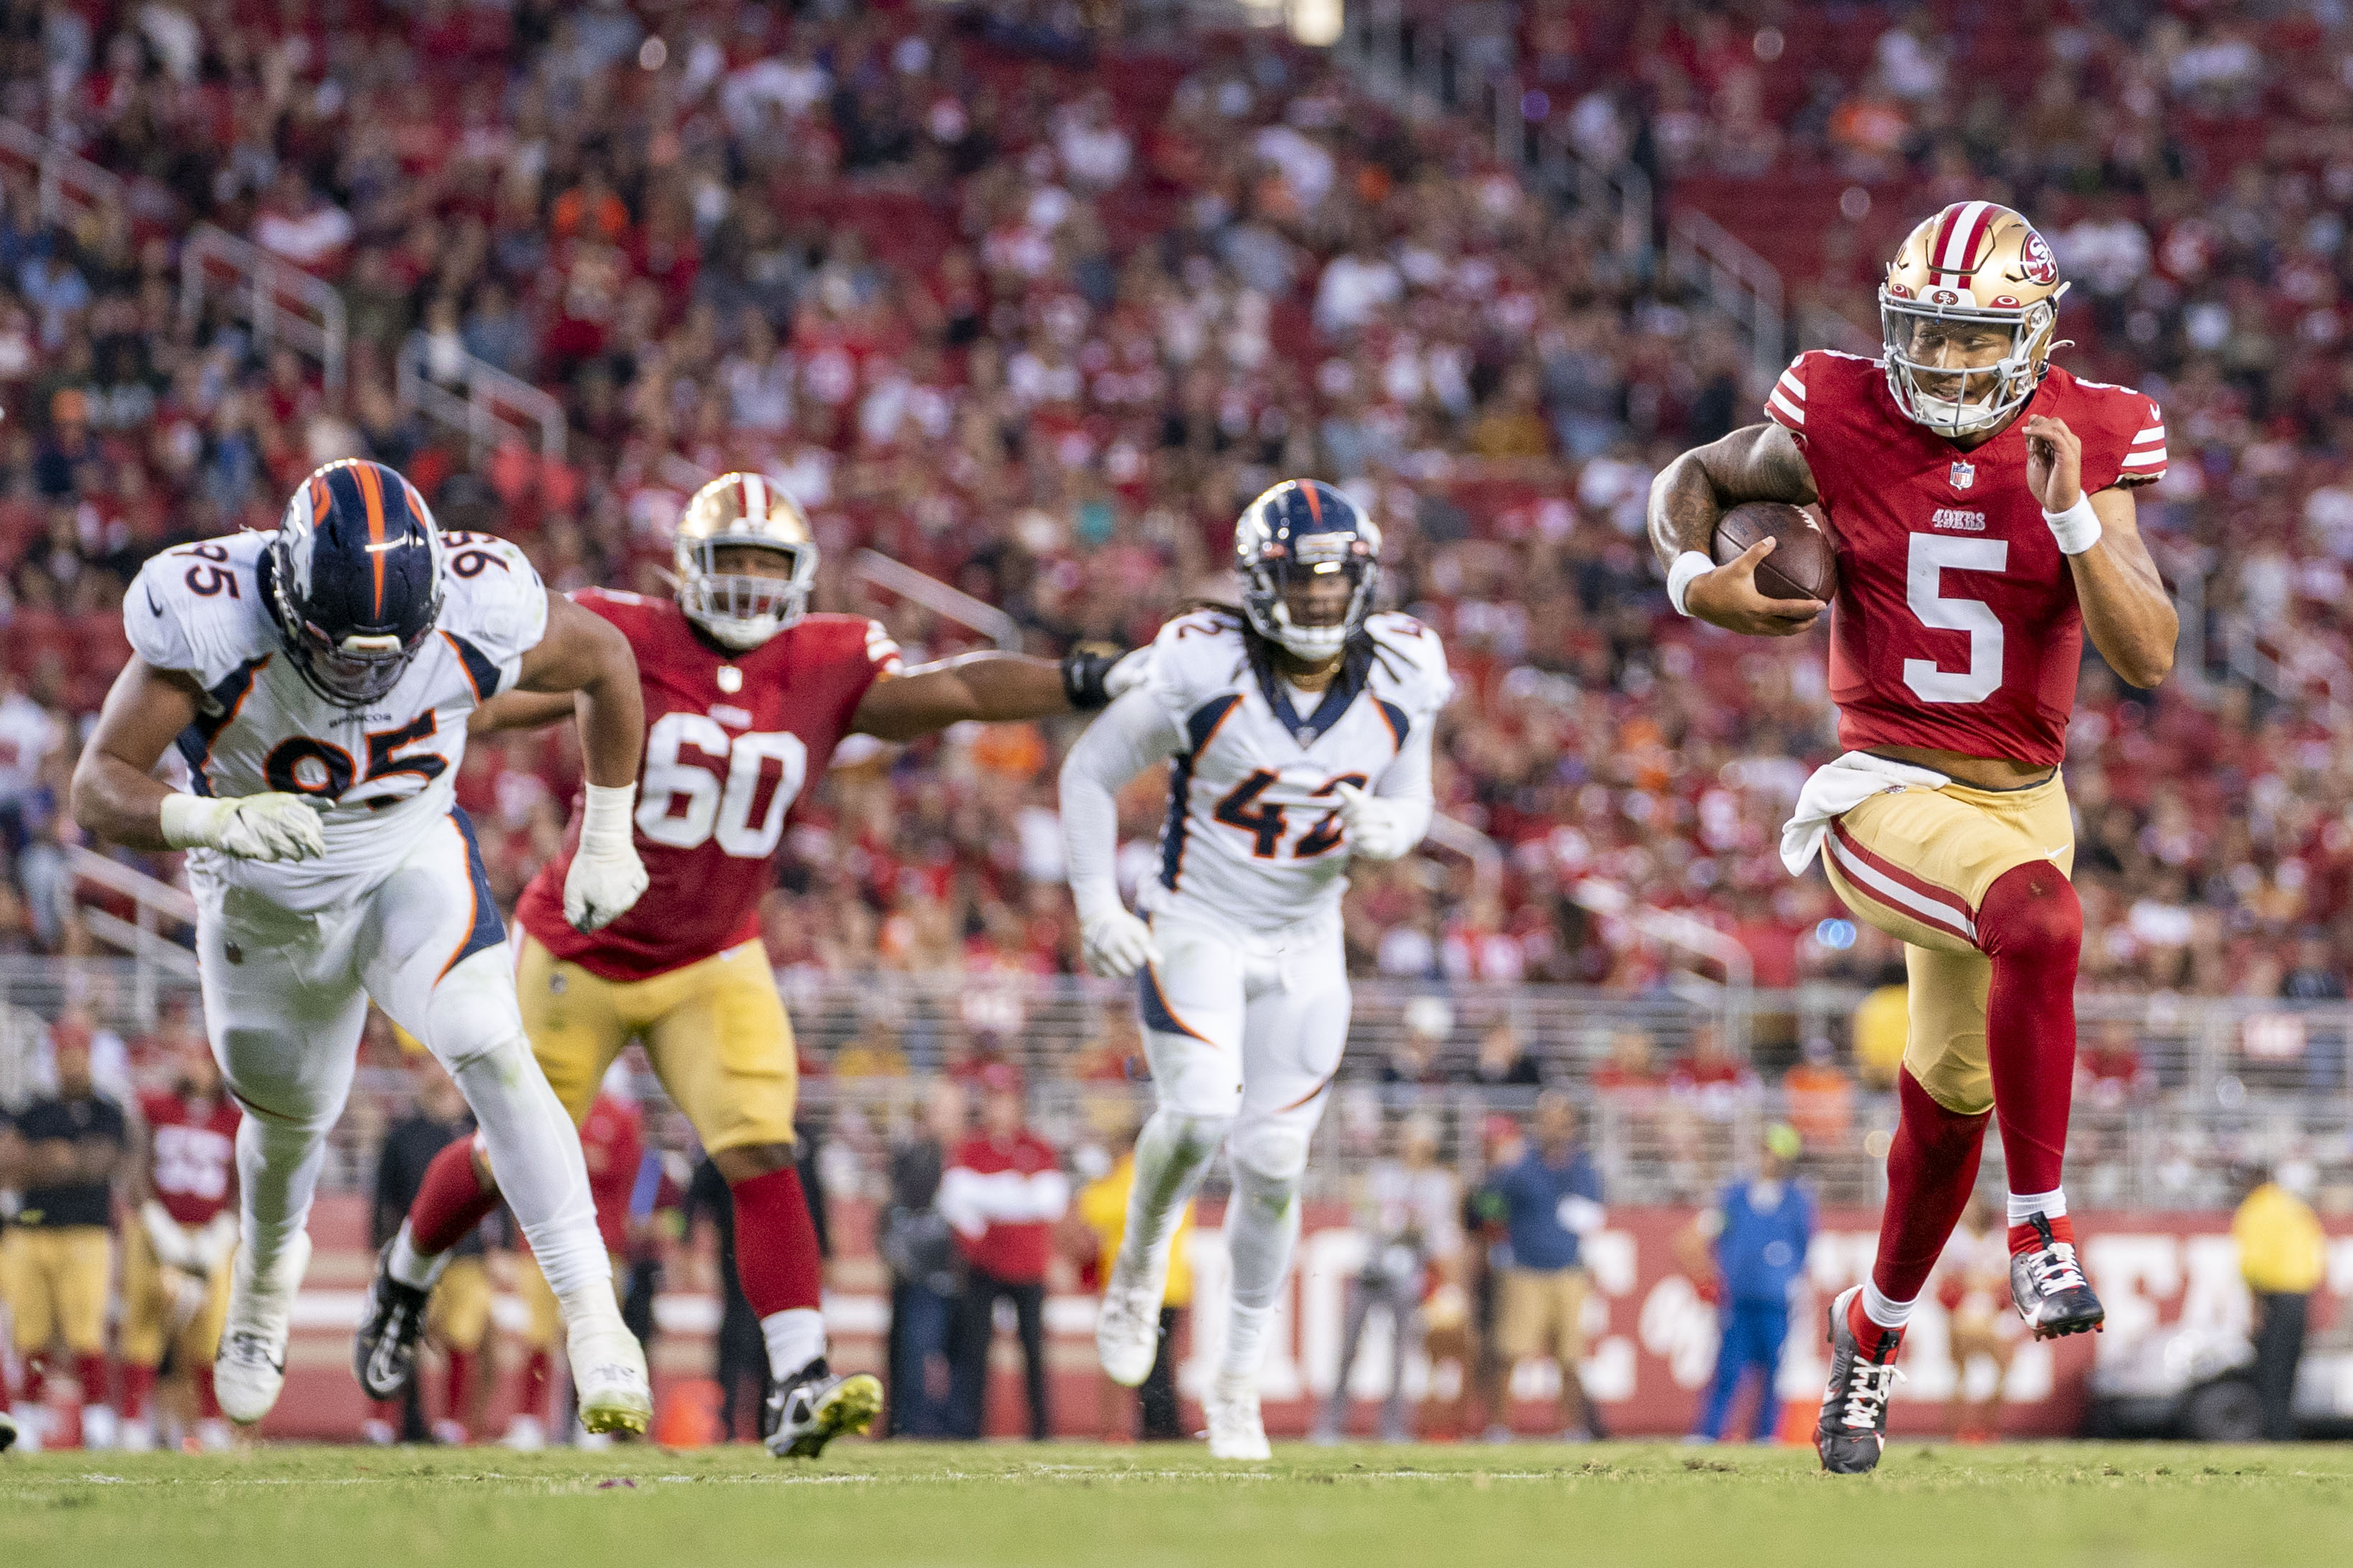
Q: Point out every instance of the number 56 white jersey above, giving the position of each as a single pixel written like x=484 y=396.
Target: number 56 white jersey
x=382 y=774
x=1253 y=834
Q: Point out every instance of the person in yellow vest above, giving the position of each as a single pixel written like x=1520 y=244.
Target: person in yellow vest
x=1882 y=1027
x=1103 y=1205
x=2282 y=1256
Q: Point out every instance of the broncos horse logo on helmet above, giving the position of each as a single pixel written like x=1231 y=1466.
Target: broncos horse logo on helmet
x=356 y=580
x=1300 y=529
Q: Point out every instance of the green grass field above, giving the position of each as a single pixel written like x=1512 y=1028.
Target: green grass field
x=1449 y=1507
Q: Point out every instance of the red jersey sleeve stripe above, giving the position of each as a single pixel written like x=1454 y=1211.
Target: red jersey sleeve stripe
x=1782 y=410
x=2154 y=433
x=2152 y=458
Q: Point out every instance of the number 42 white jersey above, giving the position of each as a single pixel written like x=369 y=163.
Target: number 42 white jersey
x=1253 y=833
x=381 y=774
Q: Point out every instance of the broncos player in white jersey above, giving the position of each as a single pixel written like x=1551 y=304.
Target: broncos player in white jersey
x=316 y=682
x=1298 y=734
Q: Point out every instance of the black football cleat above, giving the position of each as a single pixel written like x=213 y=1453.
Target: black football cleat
x=812 y=1407
x=392 y=1320
x=1852 y=1430
x=2048 y=1287
x=7 y=1431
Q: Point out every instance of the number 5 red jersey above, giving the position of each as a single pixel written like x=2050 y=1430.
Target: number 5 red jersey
x=1955 y=625
x=731 y=738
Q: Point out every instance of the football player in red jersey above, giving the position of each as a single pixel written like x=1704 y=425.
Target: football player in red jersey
x=747 y=698
x=1981 y=502
x=176 y=1260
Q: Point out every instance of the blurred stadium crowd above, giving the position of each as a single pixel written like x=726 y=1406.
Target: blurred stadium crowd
x=1029 y=297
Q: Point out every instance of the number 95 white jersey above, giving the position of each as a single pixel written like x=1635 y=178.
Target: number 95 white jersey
x=382 y=775
x=1253 y=832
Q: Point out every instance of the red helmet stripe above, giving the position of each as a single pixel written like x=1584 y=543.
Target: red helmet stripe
x=1954 y=249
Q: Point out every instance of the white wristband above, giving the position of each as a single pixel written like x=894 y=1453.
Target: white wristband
x=2077 y=529
x=1691 y=563
x=605 y=817
x=189 y=821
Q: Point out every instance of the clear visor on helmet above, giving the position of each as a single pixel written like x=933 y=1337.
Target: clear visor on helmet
x=1313 y=601
x=731 y=602
x=1960 y=368
x=359 y=670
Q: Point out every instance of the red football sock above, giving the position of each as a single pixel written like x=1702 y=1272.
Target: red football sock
x=461 y=1383
x=776 y=1242
x=89 y=1369
x=450 y=1202
x=2026 y=1238
x=2031 y=926
x=531 y=1393
x=207 y=1403
x=137 y=1386
x=1931 y=1167
x=1869 y=1334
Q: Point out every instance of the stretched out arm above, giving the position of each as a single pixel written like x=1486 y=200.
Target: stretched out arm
x=2126 y=611
x=992 y=688
x=1758 y=462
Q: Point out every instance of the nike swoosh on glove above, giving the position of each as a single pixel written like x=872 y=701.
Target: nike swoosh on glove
x=1116 y=945
x=607 y=878
x=269 y=827
x=1376 y=828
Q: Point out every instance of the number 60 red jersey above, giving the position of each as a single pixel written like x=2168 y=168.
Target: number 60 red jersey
x=1955 y=625
x=731 y=740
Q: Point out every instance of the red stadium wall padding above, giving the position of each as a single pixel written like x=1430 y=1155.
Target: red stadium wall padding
x=1651 y=1341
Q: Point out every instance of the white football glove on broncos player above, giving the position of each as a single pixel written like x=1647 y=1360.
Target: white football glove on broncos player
x=272 y=826
x=1380 y=829
x=1114 y=943
x=606 y=876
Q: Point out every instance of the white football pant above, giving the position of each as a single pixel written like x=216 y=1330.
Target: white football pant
x=285 y=995
x=1244 y=1031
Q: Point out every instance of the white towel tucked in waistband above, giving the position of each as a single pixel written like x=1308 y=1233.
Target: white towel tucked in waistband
x=1837 y=787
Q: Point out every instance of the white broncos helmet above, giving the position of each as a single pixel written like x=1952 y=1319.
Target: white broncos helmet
x=735 y=511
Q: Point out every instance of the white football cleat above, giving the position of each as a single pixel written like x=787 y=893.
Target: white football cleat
x=1236 y=1432
x=101 y=1429
x=1127 y=1327
x=250 y=1370
x=213 y=1437
x=608 y=1368
x=526 y=1435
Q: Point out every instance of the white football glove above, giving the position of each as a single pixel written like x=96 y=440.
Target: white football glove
x=1376 y=828
x=273 y=827
x=1128 y=674
x=1116 y=945
x=607 y=878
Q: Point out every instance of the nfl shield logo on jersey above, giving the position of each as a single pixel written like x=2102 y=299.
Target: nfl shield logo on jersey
x=1964 y=474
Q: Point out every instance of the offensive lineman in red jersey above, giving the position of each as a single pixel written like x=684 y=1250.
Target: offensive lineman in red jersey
x=1979 y=499
x=747 y=698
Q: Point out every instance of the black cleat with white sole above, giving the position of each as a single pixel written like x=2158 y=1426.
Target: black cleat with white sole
x=2048 y=1287
x=392 y=1320
x=812 y=1407
x=1852 y=1430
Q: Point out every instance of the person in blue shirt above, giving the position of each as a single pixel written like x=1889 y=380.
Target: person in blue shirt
x=1550 y=1200
x=1747 y=1253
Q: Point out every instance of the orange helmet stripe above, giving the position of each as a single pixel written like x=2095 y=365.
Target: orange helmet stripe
x=372 y=494
x=1314 y=505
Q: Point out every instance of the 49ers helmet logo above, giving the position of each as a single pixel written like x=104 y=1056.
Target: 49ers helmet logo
x=2035 y=260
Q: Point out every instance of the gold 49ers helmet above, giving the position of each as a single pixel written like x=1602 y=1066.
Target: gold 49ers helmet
x=1968 y=312
x=737 y=512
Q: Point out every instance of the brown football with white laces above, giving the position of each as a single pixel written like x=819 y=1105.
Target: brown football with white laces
x=1802 y=565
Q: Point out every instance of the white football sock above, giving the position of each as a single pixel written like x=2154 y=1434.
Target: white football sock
x=410 y=1266
x=1172 y=1155
x=796 y=1337
x=1262 y=1228
x=2024 y=1206
x=1887 y=1314
x=278 y=1166
x=535 y=1159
